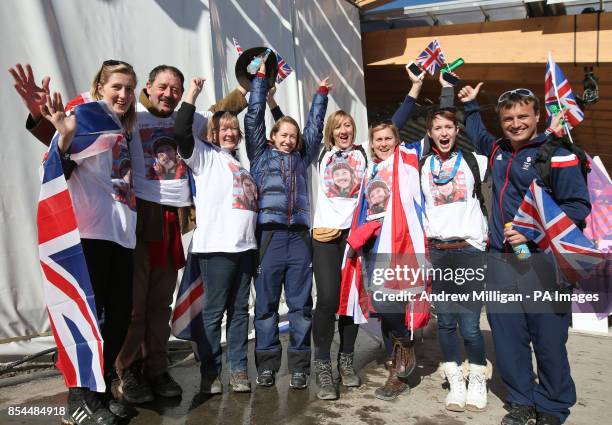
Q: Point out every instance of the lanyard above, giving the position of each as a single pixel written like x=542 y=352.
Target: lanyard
x=441 y=178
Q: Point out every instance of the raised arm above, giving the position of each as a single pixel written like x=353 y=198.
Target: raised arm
x=277 y=114
x=234 y=102
x=53 y=111
x=254 y=120
x=402 y=115
x=183 y=124
x=477 y=133
x=313 y=131
x=447 y=93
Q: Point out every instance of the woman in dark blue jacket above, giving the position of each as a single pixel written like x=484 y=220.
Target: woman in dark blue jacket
x=280 y=168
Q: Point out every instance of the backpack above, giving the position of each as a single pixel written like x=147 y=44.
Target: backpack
x=472 y=163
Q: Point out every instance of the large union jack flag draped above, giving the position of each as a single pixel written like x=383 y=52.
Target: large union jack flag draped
x=187 y=316
x=283 y=69
x=558 y=92
x=68 y=293
x=541 y=220
x=431 y=59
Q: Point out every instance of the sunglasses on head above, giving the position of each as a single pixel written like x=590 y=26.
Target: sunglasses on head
x=381 y=122
x=114 y=62
x=520 y=92
x=219 y=114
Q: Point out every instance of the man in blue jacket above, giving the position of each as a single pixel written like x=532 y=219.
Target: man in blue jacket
x=515 y=326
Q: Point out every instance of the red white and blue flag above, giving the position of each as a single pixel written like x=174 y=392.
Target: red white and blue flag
x=541 y=220
x=237 y=46
x=401 y=241
x=68 y=292
x=558 y=93
x=431 y=59
x=283 y=69
x=187 y=316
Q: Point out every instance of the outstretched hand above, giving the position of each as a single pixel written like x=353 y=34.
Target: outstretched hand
x=415 y=78
x=326 y=83
x=53 y=111
x=557 y=123
x=469 y=93
x=195 y=88
x=33 y=96
x=445 y=83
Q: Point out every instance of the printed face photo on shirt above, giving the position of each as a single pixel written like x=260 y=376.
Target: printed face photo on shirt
x=245 y=191
x=377 y=196
x=162 y=161
x=342 y=176
x=448 y=193
x=121 y=175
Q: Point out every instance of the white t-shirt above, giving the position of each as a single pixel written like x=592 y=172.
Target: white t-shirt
x=104 y=202
x=340 y=174
x=160 y=175
x=226 y=202
x=451 y=210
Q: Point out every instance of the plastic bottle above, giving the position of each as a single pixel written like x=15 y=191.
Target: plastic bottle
x=522 y=251
x=253 y=67
x=454 y=65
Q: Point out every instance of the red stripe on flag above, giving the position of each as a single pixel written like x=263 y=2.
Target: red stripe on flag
x=55 y=217
x=181 y=308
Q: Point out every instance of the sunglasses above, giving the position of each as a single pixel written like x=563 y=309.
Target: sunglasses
x=381 y=122
x=217 y=115
x=114 y=62
x=520 y=92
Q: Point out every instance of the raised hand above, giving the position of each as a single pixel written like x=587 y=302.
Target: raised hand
x=53 y=111
x=326 y=83
x=469 y=93
x=557 y=123
x=195 y=88
x=445 y=83
x=414 y=78
x=33 y=96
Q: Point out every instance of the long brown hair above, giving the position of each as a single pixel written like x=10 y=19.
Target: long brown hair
x=108 y=68
x=332 y=122
x=288 y=120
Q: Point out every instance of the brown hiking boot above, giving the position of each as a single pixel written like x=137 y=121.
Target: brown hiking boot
x=394 y=385
x=403 y=354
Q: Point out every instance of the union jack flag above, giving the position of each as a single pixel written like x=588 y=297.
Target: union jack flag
x=187 y=315
x=237 y=46
x=283 y=69
x=431 y=59
x=541 y=220
x=558 y=93
x=68 y=292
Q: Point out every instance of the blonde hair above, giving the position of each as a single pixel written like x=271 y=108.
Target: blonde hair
x=108 y=68
x=332 y=122
x=214 y=123
x=288 y=120
x=378 y=127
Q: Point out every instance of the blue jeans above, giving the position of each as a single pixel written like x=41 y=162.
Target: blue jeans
x=227 y=280
x=465 y=315
x=286 y=261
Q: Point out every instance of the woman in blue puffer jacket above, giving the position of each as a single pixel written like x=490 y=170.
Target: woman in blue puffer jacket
x=280 y=168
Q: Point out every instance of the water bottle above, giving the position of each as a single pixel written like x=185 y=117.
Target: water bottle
x=522 y=251
x=256 y=62
x=454 y=65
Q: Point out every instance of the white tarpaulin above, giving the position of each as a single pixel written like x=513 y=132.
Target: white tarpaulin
x=68 y=40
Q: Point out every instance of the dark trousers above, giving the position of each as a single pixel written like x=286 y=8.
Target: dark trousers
x=285 y=261
x=327 y=265
x=110 y=269
x=519 y=328
x=392 y=325
x=453 y=314
x=227 y=282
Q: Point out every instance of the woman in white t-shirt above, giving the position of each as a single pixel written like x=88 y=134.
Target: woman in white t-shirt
x=104 y=205
x=224 y=240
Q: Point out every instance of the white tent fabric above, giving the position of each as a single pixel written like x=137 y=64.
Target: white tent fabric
x=68 y=40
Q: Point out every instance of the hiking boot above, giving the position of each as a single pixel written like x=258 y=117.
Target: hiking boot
x=455 y=399
x=239 y=381
x=520 y=415
x=86 y=408
x=210 y=384
x=348 y=376
x=134 y=388
x=403 y=352
x=394 y=385
x=164 y=385
x=547 y=419
x=265 y=378
x=299 y=380
x=325 y=380
x=476 y=399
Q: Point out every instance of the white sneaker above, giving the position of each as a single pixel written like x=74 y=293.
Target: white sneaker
x=476 y=400
x=455 y=400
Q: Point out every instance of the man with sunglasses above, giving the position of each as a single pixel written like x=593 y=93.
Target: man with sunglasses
x=516 y=326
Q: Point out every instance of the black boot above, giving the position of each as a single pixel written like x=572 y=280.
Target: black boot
x=86 y=408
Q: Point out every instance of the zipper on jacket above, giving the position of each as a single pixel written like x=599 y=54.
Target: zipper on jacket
x=289 y=201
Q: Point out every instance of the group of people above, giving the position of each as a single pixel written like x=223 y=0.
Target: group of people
x=257 y=224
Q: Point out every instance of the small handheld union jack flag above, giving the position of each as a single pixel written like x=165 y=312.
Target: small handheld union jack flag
x=558 y=94
x=431 y=59
x=283 y=69
x=237 y=46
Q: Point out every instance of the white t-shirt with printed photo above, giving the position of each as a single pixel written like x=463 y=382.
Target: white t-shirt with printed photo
x=451 y=210
x=160 y=175
x=226 y=201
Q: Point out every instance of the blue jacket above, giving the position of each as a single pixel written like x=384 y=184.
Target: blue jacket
x=282 y=178
x=512 y=172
